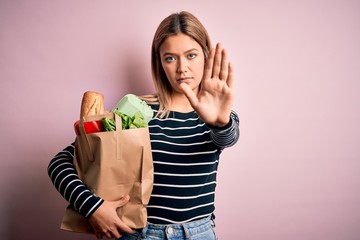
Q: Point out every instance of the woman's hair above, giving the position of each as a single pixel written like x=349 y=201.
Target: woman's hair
x=182 y=22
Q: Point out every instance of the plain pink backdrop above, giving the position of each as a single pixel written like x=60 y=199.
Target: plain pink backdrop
x=294 y=174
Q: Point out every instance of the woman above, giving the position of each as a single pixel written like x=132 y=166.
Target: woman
x=194 y=122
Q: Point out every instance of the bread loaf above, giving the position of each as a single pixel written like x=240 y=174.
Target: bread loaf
x=92 y=104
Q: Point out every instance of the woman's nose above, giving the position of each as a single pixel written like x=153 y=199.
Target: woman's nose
x=182 y=65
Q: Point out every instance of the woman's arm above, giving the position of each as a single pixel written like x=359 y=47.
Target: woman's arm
x=63 y=175
x=226 y=136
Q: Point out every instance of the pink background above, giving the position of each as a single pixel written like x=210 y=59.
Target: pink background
x=294 y=174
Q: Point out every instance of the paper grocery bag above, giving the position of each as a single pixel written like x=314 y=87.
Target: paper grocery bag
x=114 y=164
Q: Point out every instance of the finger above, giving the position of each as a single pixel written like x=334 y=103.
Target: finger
x=217 y=61
x=124 y=228
x=230 y=81
x=209 y=65
x=224 y=65
x=98 y=235
x=189 y=94
x=108 y=234
x=115 y=233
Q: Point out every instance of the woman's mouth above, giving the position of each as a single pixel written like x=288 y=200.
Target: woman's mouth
x=183 y=79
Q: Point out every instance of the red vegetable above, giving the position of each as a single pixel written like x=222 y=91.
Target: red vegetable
x=90 y=127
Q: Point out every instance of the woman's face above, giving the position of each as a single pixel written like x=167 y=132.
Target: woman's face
x=183 y=61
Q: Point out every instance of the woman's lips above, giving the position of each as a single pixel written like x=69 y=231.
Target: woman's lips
x=183 y=79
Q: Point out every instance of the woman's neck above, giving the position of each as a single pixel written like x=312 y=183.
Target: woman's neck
x=180 y=103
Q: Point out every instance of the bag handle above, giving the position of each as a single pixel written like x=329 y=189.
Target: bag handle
x=118 y=123
x=84 y=140
x=84 y=136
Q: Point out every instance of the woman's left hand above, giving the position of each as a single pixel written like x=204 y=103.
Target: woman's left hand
x=213 y=103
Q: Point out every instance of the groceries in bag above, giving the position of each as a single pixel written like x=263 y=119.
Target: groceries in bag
x=116 y=162
x=134 y=113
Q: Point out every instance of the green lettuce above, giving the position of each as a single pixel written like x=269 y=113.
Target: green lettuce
x=137 y=121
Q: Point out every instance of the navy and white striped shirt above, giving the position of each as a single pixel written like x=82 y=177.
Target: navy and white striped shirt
x=186 y=156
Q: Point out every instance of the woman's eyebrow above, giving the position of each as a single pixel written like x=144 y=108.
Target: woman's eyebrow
x=192 y=49
x=187 y=51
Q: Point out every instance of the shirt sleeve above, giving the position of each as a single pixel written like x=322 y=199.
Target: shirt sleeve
x=226 y=136
x=63 y=175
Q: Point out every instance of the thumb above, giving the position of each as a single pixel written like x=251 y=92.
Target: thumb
x=122 y=201
x=189 y=94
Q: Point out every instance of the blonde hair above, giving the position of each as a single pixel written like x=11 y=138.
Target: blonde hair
x=182 y=22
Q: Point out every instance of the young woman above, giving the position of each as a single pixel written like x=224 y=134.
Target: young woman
x=193 y=123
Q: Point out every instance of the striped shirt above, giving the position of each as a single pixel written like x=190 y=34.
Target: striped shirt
x=186 y=156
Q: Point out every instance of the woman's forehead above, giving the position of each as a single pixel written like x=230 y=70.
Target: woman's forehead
x=179 y=43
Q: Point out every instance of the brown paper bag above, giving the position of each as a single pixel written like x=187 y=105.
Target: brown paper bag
x=111 y=165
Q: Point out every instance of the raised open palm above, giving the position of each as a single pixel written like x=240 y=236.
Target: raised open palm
x=214 y=101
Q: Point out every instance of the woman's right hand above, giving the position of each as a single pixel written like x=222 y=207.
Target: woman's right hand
x=106 y=222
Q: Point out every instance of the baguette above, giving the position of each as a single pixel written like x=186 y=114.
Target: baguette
x=92 y=104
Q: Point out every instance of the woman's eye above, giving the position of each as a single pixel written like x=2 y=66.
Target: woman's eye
x=192 y=55
x=169 y=58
